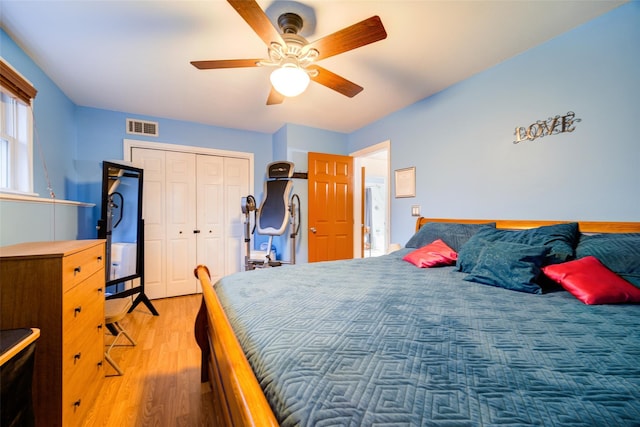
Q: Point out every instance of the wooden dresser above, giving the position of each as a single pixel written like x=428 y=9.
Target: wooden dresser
x=58 y=287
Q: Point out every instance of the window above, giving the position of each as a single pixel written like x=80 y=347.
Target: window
x=16 y=131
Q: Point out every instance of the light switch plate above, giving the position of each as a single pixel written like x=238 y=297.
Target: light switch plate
x=415 y=210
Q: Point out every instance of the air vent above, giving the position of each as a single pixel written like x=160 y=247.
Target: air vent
x=141 y=127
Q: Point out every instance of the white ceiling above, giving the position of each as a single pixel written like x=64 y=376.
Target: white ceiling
x=133 y=56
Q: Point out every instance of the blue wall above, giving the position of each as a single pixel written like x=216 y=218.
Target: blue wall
x=54 y=126
x=461 y=139
x=53 y=168
x=101 y=134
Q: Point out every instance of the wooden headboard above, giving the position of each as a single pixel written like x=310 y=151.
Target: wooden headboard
x=516 y=224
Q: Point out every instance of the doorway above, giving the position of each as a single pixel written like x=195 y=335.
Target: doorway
x=372 y=200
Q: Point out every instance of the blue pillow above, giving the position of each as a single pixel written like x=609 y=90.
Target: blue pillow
x=620 y=252
x=507 y=265
x=560 y=238
x=453 y=234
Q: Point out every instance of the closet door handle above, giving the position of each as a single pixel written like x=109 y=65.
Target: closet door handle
x=196 y=231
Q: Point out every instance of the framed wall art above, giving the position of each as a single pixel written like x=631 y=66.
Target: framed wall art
x=405 y=182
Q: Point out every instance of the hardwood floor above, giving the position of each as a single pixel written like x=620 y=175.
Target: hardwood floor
x=161 y=382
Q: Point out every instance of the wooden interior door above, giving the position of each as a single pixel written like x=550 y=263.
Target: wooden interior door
x=330 y=207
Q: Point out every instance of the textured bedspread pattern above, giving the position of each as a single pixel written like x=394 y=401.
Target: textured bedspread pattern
x=377 y=341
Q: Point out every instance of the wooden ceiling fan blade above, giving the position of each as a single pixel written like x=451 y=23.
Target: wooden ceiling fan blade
x=251 y=12
x=357 y=35
x=225 y=63
x=335 y=82
x=275 y=97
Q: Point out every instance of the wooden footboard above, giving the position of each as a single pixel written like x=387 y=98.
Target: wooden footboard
x=238 y=398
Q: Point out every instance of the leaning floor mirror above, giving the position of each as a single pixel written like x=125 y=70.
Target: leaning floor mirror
x=122 y=226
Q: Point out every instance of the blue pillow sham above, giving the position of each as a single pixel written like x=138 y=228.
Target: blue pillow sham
x=560 y=238
x=619 y=252
x=455 y=235
x=508 y=265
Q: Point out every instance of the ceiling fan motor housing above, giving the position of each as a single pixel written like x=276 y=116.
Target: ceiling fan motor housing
x=290 y=23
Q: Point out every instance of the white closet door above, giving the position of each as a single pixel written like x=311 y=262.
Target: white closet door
x=181 y=223
x=210 y=214
x=153 y=213
x=236 y=185
x=192 y=213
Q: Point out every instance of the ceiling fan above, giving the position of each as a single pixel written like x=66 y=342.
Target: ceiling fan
x=293 y=57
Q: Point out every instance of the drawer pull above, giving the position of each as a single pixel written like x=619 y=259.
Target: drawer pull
x=77 y=357
x=100 y=327
x=100 y=258
x=77 y=403
x=99 y=290
x=77 y=310
x=100 y=364
x=77 y=270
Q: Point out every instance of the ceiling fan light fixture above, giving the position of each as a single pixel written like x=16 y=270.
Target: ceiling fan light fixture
x=290 y=80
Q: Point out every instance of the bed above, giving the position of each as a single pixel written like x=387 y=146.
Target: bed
x=531 y=323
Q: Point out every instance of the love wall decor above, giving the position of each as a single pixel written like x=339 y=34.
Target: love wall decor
x=551 y=126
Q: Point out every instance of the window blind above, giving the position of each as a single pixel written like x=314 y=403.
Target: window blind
x=12 y=81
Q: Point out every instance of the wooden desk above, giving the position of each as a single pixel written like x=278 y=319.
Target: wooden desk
x=17 y=348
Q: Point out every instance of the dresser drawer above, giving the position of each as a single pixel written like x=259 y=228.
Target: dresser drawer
x=78 y=365
x=83 y=355
x=78 y=266
x=90 y=331
x=80 y=390
x=83 y=302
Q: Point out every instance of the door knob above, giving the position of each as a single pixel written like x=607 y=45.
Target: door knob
x=313 y=230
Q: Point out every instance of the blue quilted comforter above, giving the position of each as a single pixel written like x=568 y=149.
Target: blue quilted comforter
x=378 y=341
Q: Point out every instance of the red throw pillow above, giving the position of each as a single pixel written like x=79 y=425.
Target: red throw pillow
x=591 y=282
x=434 y=254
